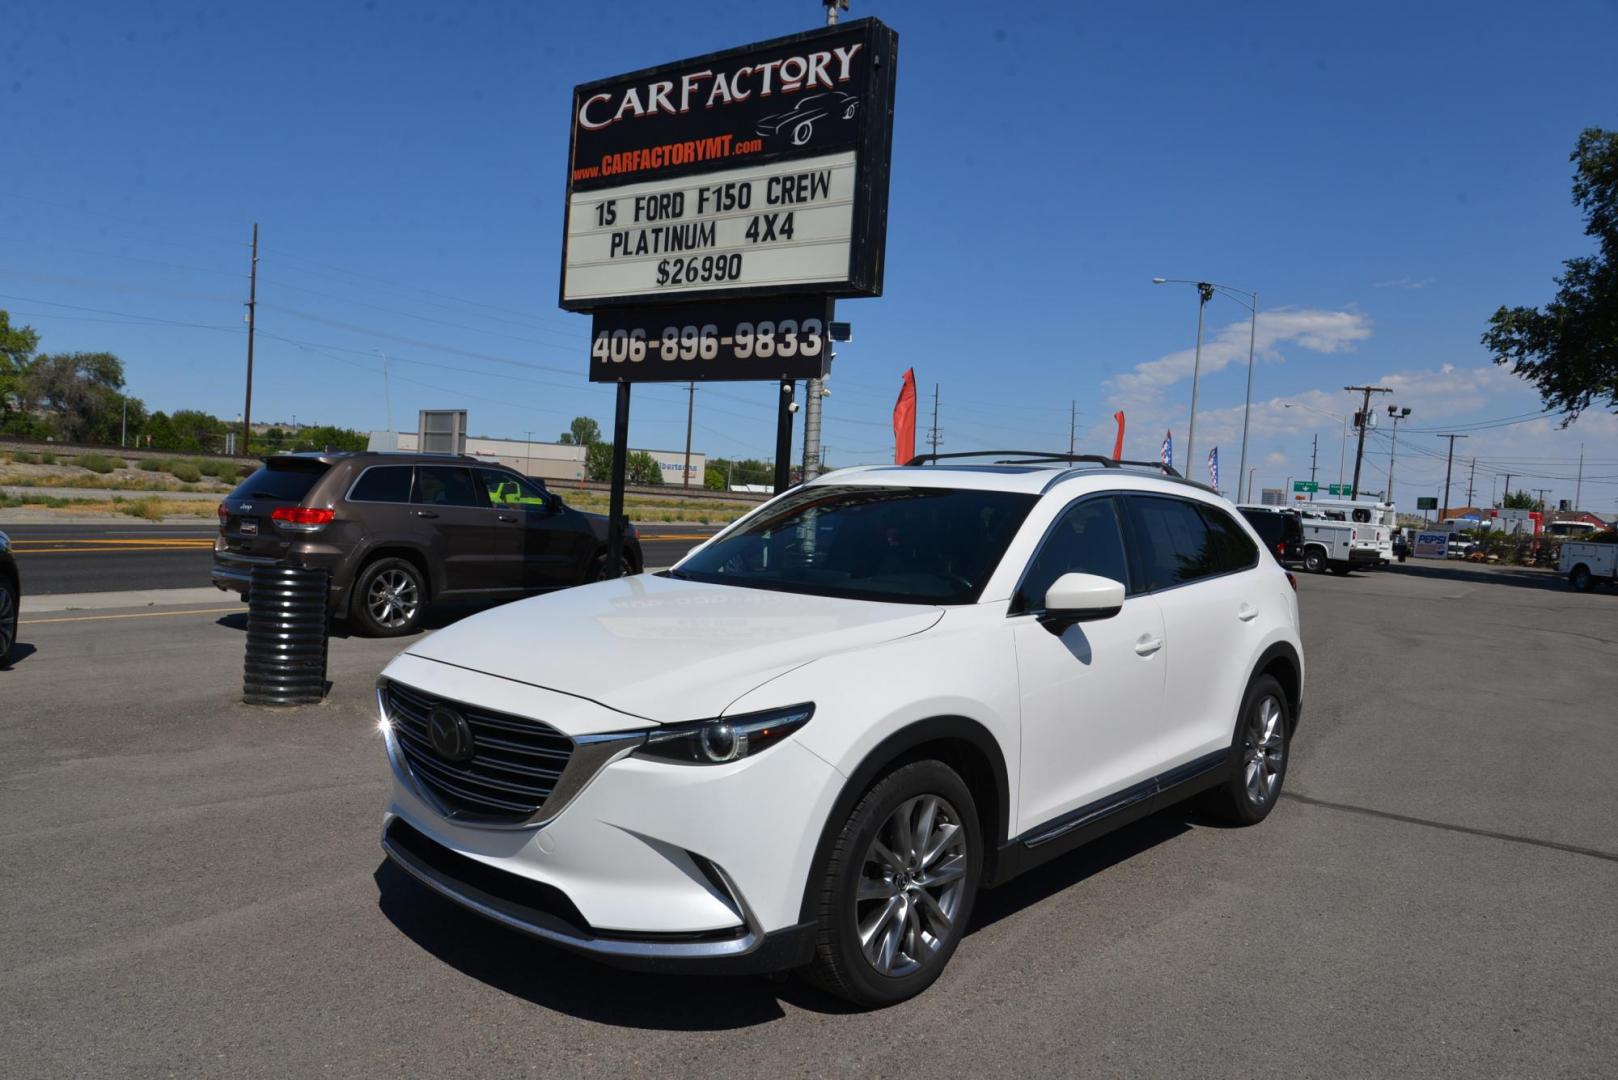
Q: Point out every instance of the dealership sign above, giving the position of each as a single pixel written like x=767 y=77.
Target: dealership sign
x=1431 y=545
x=759 y=171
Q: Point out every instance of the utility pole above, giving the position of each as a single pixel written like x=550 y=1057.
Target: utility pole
x=1506 y=491
x=933 y=436
x=1397 y=414
x=1447 y=465
x=1072 y=426
x=1314 y=452
x=123 y=429
x=1469 y=478
x=252 y=312
x=1578 y=489
x=528 y=453
x=690 y=408
x=1542 y=492
x=1365 y=421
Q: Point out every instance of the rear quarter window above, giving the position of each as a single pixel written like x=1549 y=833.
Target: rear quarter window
x=287 y=481
x=383 y=484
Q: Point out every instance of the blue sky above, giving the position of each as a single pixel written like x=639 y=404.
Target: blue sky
x=1383 y=176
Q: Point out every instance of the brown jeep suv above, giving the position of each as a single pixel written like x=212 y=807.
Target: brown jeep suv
x=401 y=531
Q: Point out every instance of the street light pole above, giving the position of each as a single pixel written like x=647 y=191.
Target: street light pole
x=1247 y=401
x=1205 y=294
x=1206 y=290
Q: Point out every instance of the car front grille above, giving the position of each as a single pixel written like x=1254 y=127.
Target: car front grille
x=514 y=766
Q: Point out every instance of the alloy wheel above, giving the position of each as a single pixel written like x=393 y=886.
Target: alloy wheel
x=1264 y=751
x=392 y=599
x=910 y=885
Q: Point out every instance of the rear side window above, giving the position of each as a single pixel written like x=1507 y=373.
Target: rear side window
x=1272 y=527
x=1232 y=549
x=509 y=489
x=383 y=484
x=1086 y=539
x=283 y=481
x=1176 y=546
x=444 y=485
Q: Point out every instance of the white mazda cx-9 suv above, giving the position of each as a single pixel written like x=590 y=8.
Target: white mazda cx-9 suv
x=813 y=740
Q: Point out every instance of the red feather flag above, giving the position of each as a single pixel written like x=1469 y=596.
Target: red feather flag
x=904 y=420
x=1118 y=447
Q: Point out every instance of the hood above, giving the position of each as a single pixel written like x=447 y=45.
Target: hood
x=664 y=649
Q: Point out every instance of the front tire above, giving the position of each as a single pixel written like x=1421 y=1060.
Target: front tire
x=898 y=887
x=389 y=599
x=598 y=567
x=1314 y=561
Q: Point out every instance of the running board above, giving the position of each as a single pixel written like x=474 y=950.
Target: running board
x=1094 y=820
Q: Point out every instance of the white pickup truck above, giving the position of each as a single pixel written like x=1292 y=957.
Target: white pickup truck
x=1586 y=562
x=1338 y=546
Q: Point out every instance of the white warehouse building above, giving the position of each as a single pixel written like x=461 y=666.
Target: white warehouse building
x=548 y=461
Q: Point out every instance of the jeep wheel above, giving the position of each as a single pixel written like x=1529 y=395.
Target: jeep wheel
x=389 y=599
x=898 y=887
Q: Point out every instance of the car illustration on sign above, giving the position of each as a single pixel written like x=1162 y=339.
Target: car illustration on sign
x=800 y=120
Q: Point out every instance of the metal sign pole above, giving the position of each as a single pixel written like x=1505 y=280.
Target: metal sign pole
x=615 y=501
x=783 y=438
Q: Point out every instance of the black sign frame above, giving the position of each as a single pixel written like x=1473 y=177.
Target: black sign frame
x=715 y=325
x=872 y=142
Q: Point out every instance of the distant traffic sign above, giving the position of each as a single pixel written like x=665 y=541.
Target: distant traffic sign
x=1427 y=503
x=1340 y=489
x=1305 y=485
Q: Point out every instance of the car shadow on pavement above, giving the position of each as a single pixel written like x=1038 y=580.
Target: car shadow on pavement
x=20 y=651
x=556 y=979
x=437 y=618
x=1520 y=576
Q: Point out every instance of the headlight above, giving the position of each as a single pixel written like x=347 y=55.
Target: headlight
x=728 y=738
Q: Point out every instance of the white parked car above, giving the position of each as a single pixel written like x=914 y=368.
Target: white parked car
x=812 y=741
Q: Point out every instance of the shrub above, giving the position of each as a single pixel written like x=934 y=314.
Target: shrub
x=98 y=463
x=141 y=508
x=153 y=464
x=47 y=458
x=185 y=472
x=22 y=457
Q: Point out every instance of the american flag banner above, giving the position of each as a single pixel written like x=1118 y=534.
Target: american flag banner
x=1213 y=468
x=1168 y=449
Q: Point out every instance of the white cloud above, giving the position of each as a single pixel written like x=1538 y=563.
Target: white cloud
x=1405 y=283
x=1317 y=331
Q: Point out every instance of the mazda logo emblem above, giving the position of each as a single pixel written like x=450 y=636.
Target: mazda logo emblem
x=451 y=734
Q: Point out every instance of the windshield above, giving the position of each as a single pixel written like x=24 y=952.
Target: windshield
x=897 y=544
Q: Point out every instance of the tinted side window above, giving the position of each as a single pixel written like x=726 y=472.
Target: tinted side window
x=1272 y=527
x=1175 y=544
x=383 y=483
x=1232 y=548
x=1085 y=540
x=509 y=489
x=443 y=485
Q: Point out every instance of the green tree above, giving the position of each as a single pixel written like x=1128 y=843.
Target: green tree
x=82 y=391
x=327 y=437
x=582 y=432
x=598 y=462
x=642 y=468
x=713 y=477
x=17 y=345
x=1519 y=500
x=187 y=430
x=1569 y=348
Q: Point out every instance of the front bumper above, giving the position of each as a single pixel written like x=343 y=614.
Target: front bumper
x=646 y=863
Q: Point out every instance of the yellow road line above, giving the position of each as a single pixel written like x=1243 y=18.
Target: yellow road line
x=140 y=541
x=650 y=538
x=135 y=615
x=109 y=550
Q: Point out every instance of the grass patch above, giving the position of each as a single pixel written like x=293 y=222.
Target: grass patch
x=185 y=472
x=147 y=509
x=153 y=464
x=23 y=457
x=98 y=463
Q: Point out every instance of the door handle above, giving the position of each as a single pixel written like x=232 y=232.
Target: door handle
x=1147 y=645
x=1247 y=612
x=427 y=513
x=507 y=517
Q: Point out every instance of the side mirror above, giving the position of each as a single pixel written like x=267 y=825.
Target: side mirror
x=553 y=503
x=1075 y=598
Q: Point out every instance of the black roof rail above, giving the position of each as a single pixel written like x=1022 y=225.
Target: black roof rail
x=1036 y=456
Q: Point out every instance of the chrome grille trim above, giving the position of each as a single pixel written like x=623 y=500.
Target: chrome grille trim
x=521 y=778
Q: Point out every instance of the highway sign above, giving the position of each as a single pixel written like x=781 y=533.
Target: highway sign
x=1305 y=485
x=1427 y=503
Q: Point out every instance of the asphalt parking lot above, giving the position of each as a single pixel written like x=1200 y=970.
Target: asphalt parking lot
x=193 y=886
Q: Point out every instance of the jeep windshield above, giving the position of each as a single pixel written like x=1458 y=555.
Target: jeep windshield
x=908 y=545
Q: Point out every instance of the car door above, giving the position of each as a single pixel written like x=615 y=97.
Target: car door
x=476 y=550
x=546 y=548
x=1092 y=693
x=1200 y=566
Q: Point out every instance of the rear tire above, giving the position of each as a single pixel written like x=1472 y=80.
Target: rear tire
x=1314 y=561
x=598 y=567
x=389 y=599
x=1341 y=568
x=1258 y=756
x=1581 y=580
x=8 y=619
x=897 y=889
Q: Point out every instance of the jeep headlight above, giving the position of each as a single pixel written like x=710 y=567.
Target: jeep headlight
x=726 y=738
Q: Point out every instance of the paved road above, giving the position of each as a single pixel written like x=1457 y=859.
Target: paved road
x=193 y=887
x=116 y=556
